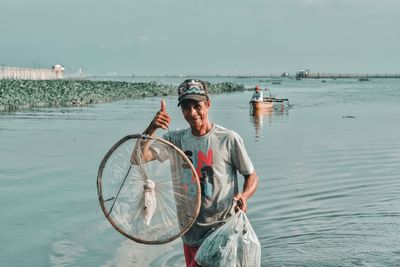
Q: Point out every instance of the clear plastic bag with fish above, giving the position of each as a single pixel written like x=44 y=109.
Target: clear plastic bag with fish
x=234 y=244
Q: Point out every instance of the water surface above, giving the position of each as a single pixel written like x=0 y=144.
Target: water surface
x=328 y=166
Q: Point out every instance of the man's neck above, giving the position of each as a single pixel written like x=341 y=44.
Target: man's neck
x=203 y=130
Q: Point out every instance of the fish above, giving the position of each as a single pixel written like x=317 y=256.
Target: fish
x=150 y=202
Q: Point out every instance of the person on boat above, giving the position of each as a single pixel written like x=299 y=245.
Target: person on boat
x=217 y=154
x=257 y=95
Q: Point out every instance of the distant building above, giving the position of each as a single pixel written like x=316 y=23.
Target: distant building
x=302 y=73
x=285 y=74
x=56 y=72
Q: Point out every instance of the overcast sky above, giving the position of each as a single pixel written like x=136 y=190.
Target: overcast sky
x=203 y=36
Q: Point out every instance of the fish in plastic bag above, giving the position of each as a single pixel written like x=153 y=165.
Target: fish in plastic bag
x=234 y=244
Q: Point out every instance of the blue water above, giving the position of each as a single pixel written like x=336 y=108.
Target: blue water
x=329 y=169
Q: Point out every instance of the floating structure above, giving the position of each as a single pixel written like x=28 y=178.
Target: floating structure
x=302 y=74
x=16 y=73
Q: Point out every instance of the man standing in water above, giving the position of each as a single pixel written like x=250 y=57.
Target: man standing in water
x=218 y=152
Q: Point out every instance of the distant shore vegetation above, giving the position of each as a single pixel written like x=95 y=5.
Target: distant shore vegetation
x=25 y=94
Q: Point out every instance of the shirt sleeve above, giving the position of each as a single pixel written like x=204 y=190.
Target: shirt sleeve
x=159 y=149
x=240 y=158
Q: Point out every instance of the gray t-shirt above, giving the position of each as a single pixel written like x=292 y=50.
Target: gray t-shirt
x=216 y=156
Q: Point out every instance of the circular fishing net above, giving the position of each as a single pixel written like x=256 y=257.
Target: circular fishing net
x=148 y=189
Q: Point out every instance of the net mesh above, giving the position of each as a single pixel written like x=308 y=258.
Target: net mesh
x=148 y=201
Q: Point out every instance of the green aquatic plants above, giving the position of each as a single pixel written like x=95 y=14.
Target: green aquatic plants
x=24 y=94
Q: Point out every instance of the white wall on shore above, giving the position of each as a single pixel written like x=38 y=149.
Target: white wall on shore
x=29 y=74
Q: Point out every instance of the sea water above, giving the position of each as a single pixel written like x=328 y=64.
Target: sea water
x=329 y=168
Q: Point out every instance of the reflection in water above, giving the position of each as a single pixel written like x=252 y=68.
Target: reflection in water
x=258 y=117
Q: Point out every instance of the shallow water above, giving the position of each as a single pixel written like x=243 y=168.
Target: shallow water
x=329 y=177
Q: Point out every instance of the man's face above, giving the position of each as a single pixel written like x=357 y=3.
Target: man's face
x=195 y=113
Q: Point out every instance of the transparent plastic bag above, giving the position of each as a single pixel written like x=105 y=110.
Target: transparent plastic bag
x=234 y=244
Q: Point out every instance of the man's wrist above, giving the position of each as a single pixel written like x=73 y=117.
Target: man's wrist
x=149 y=130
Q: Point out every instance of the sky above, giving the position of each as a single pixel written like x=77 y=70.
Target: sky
x=202 y=37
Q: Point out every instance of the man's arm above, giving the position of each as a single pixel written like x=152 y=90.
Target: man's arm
x=160 y=120
x=249 y=187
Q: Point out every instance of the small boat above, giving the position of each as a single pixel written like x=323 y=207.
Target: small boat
x=268 y=102
x=262 y=105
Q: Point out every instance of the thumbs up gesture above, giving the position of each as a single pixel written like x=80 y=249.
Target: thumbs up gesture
x=163 y=105
x=160 y=120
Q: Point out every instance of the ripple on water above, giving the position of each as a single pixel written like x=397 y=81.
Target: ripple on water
x=65 y=253
x=333 y=207
x=328 y=194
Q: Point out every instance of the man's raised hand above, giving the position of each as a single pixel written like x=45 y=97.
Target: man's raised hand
x=160 y=120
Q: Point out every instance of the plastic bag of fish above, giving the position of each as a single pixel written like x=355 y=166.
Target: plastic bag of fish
x=233 y=244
